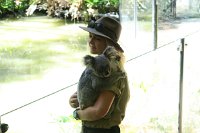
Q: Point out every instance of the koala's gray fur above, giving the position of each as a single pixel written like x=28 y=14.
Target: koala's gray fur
x=101 y=71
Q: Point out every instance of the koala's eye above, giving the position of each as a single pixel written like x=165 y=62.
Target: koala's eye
x=118 y=58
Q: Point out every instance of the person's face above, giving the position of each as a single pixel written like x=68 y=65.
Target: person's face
x=97 y=44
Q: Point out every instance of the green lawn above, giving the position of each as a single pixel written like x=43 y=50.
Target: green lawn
x=30 y=46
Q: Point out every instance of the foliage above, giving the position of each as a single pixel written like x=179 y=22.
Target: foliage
x=6 y=6
x=104 y=6
x=23 y=5
x=13 y=7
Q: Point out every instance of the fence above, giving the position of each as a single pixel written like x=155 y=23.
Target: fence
x=155 y=83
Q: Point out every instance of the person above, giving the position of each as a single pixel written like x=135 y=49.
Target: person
x=109 y=109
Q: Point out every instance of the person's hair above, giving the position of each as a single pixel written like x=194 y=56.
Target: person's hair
x=122 y=60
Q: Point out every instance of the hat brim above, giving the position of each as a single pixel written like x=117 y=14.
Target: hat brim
x=94 y=31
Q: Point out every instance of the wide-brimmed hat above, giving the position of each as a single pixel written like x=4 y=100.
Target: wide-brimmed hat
x=107 y=27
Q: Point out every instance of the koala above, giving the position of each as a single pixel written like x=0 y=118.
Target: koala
x=101 y=71
x=4 y=127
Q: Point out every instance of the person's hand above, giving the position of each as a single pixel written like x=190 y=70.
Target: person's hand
x=73 y=101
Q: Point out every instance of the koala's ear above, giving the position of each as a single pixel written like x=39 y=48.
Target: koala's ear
x=111 y=53
x=88 y=60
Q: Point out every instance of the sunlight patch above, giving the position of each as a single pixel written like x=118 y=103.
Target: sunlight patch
x=58 y=48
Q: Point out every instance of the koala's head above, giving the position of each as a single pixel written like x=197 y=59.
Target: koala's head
x=103 y=64
x=100 y=65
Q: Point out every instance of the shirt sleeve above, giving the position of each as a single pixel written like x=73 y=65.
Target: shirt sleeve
x=116 y=87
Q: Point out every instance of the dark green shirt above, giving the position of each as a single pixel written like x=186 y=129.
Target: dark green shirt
x=117 y=111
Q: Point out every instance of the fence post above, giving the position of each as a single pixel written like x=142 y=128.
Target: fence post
x=181 y=85
x=155 y=23
x=0 y=124
x=135 y=17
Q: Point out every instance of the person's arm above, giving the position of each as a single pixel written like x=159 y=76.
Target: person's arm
x=73 y=101
x=99 y=109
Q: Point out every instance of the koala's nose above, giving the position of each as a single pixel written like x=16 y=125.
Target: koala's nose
x=107 y=73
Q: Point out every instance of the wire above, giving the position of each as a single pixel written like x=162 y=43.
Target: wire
x=162 y=46
x=38 y=99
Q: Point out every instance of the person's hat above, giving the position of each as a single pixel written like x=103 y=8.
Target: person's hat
x=106 y=27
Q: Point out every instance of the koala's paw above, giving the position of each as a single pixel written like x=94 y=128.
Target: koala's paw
x=81 y=106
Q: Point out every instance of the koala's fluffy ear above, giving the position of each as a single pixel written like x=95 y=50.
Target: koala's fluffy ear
x=111 y=53
x=89 y=60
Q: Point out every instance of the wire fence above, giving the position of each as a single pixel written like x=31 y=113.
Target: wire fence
x=154 y=81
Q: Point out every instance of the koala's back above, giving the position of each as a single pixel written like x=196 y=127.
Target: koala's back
x=87 y=89
x=90 y=85
x=101 y=72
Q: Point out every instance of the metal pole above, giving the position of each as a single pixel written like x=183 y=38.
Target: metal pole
x=135 y=17
x=174 y=8
x=181 y=85
x=0 y=124
x=155 y=23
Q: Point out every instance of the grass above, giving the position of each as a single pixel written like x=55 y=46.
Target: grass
x=36 y=48
x=31 y=46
